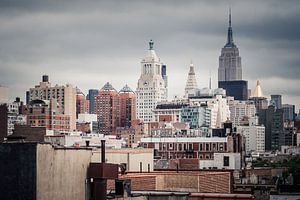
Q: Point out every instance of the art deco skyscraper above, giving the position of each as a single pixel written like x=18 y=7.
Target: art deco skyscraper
x=151 y=86
x=230 y=68
x=191 y=83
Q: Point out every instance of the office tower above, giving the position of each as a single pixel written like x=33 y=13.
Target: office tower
x=191 y=83
x=107 y=106
x=91 y=97
x=82 y=104
x=272 y=119
x=276 y=99
x=151 y=87
x=236 y=89
x=230 y=67
x=258 y=99
x=288 y=112
x=254 y=135
x=165 y=77
x=64 y=94
x=127 y=106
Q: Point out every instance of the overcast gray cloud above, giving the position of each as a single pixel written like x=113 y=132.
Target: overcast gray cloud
x=87 y=43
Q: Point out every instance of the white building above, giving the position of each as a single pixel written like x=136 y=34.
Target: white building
x=151 y=86
x=14 y=117
x=169 y=109
x=239 y=110
x=191 y=83
x=254 y=134
x=222 y=161
x=132 y=159
x=216 y=110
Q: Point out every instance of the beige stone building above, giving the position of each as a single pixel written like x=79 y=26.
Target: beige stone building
x=64 y=94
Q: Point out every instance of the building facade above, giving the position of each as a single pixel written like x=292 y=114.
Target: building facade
x=239 y=110
x=230 y=67
x=127 y=106
x=65 y=96
x=185 y=147
x=288 y=112
x=107 y=107
x=46 y=113
x=276 y=99
x=237 y=89
x=191 y=83
x=151 y=87
x=82 y=104
x=272 y=119
x=91 y=98
x=254 y=135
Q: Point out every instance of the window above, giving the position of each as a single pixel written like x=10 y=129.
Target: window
x=226 y=161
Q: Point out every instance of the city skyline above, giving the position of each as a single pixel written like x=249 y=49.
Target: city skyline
x=88 y=44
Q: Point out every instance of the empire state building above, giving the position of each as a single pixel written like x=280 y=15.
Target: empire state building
x=230 y=68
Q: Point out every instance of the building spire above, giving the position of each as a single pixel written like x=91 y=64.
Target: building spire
x=151 y=43
x=229 y=17
x=230 y=42
x=209 y=79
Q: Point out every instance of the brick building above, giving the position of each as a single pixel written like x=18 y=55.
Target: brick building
x=46 y=113
x=65 y=96
x=186 y=147
x=127 y=106
x=107 y=107
x=82 y=104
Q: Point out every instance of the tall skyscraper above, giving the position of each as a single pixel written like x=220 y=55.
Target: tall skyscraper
x=82 y=104
x=272 y=119
x=151 y=86
x=127 y=106
x=107 y=106
x=276 y=99
x=65 y=96
x=259 y=100
x=165 y=77
x=288 y=112
x=191 y=83
x=230 y=67
x=91 y=97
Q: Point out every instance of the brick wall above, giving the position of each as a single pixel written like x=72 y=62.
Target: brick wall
x=188 y=181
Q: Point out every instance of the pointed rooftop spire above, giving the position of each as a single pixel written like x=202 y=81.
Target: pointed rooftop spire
x=230 y=42
x=191 y=83
x=126 y=88
x=151 y=43
x=108 y=87
x=258 y=91
x=229 y=17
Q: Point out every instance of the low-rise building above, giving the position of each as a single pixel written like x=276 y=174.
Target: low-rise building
x=47 y=113
x=222 y=161
x=138 y=159
x=185 y=147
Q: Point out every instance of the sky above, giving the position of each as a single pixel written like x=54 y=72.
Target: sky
x=89 y=43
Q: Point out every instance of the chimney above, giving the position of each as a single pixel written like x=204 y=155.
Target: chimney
x=103 y=151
